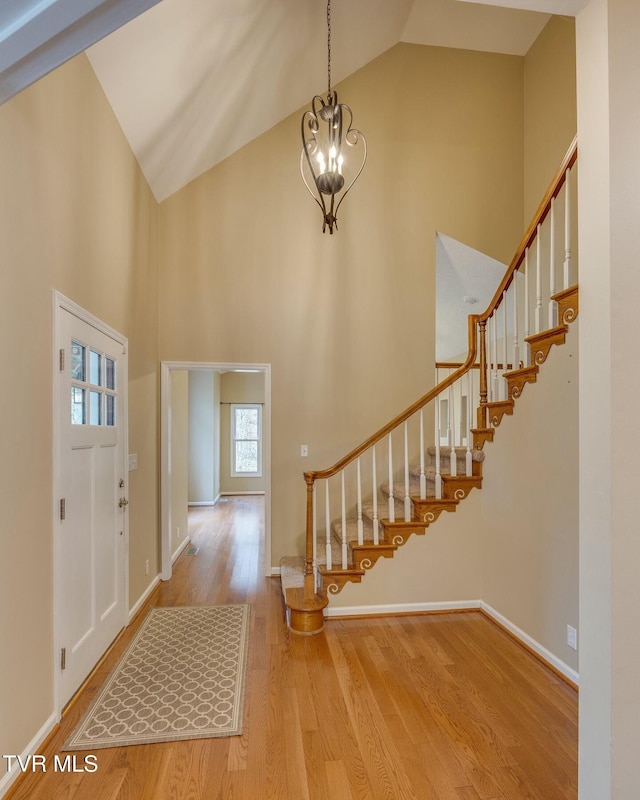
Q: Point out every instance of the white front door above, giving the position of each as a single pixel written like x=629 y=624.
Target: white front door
x=92 y=488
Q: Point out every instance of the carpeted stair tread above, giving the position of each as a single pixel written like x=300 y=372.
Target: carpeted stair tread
x=398 y=492
x=352 y=530
x=461 y=453
x=291 y=572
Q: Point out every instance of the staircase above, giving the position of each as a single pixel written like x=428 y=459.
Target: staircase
x=521 y=324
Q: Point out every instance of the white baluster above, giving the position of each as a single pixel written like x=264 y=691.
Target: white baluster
x=376 y=529
x=527 y=329
x=438 y=483
x=360 y=523
x=453 y=461
x=489 y=364
x=516 y=333
x=392 y=507
x=503 y=382
x=468 y=422
x=423 y=476
x=494 y=325
x=553 y=306
x=344 y=526
x=538 y=282
x=407 y=498
x=316 y=576
x=567 y=229
x=328 y=526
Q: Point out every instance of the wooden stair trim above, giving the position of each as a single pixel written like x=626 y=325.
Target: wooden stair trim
x=429 y=509
x=568 y=304
x=481 y=436
x=457 y=487
x=541 y=343
x=366 y=555
x=334 y=580
x=517 y=379
x=498 y=409
x=399 y=532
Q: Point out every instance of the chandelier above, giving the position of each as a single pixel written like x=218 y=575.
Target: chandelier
x=331 y=148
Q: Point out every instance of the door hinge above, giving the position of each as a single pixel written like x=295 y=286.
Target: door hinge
x=63 y=658
x=62 y=360
x=63 y=509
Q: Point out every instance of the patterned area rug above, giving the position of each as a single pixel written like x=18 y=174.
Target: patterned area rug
x=182 y=677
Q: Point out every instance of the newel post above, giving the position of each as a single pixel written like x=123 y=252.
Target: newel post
x=482 y=410
x=309 y=577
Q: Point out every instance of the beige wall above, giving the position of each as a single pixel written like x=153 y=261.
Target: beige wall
x=179 y=457
x=204 y=436
x=75 y=215
x=550 y=120
x=344 y=320
x=608 y=124
x=530 y=507
x=238 y=387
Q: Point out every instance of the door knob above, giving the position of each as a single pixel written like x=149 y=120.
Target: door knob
x=123 y=502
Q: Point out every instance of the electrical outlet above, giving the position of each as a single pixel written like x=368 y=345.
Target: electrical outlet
x=304 y=450
x=572 y=637
x=146 y=567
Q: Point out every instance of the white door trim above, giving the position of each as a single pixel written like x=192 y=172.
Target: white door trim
x=166 y=368
x=62 y=303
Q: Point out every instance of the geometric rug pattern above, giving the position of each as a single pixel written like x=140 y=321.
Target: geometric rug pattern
x=182 y=677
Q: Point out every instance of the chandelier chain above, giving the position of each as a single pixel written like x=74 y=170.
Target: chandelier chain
x=329 y=46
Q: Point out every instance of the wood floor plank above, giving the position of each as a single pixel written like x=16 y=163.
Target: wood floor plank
x=429 y=707
x=338 y=780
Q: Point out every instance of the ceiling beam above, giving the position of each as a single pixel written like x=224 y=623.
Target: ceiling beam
x=37 y=36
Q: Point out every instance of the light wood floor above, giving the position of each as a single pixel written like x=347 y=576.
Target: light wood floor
x=443 y=707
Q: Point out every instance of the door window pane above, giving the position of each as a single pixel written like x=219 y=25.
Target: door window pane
x=95 y=368
x=110 y=373
x=95 y=408
x=78 y=406
x=110 y=410
x=77 y=361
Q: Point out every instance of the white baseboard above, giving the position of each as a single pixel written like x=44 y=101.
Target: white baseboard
x=464 y=605
x=144 y=596
x=198 y=503
x=402 y=608
x=275 y=572
x=239 y=494
x=531 y=643
x=32 y=748
x=179 y=549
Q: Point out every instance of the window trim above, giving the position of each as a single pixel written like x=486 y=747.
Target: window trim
x=232 y=425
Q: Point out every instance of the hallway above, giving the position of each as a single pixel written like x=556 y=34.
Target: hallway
x=440 y=707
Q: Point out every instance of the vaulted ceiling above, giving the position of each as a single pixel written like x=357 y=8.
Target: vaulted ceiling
x=192 y=81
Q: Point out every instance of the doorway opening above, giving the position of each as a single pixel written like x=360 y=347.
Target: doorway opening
x=210 y=450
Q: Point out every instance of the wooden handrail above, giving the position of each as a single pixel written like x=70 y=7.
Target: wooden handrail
x=409 y=412
x=453 y=365
x=541 y=214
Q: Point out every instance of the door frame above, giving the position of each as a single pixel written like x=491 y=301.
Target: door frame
x=61 y=303
x=166 y=368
